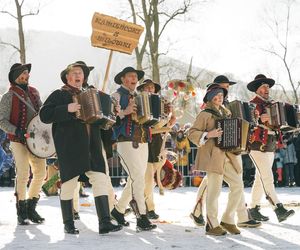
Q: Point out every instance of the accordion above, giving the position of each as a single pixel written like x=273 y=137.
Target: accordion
x=276 y=112
x=235 y=135
x=96 y=108
x=165 y=112
x=148 y=109
x=243 y=110
x=283 y=115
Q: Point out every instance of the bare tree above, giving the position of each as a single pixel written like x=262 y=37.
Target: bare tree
x=282 y=41
x=156 y=18
x=19 y=18
x=139 y=51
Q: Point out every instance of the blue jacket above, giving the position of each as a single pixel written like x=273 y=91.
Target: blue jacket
x=290 y=154
x=6 y=160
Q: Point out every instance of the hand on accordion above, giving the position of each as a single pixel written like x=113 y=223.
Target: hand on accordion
x=131 y=108
x=73 y=107
x=214 y=133
x=117 y=109
x=265 y=118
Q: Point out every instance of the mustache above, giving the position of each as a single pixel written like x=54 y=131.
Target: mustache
x=24 y=79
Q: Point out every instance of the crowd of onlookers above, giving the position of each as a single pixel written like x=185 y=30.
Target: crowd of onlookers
x=286 y=167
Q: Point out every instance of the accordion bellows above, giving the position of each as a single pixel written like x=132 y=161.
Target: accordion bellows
x=151 y=109
x=283 y=115
x=96 y=108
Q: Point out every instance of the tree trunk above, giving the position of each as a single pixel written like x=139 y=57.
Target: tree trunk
x=154 y=44
x=21 y=33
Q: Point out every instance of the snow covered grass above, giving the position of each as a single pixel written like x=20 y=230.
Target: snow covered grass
x=175 y=228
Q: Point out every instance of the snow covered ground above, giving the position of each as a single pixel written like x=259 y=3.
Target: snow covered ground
x=175 y=228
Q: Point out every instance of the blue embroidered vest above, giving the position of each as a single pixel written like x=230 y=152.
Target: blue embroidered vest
x=127 y=126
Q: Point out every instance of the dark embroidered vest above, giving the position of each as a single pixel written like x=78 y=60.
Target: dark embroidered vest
x=126 y=128
x=260 y=135
x=18 y=115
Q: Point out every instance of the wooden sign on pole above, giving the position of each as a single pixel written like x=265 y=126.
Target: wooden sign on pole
x=107 y=71
x=114 y=34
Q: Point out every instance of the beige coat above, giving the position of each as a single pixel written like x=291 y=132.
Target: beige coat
x=209 y=157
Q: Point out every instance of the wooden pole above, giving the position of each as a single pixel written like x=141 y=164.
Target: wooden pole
x=107 y=71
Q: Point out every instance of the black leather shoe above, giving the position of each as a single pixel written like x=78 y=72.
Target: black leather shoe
x=256 y=215
x=199 y=221
x=143 y=224
x=32 y=213
x=67 y=214
x=250 y=224
x=102 y=208
x=282 y=213
x=152 y=215
x=119 y=217
x=22 y=213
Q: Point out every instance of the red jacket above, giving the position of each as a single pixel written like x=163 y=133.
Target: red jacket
x=260 y=134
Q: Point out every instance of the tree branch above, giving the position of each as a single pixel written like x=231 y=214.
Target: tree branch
x=10 y=44
x=6 y=12
x=32 y=13
x=172 y=16
x=284 y=91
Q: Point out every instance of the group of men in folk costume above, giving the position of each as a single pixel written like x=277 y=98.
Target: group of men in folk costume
x=81 y=150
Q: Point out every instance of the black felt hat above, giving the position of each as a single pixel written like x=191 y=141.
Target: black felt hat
x=259 y=80
x=85 y=69
x=16 y=70
x=147 y=81
x=126 y=70
x=221 y=79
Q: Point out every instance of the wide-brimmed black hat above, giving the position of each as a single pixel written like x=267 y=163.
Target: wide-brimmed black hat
x=126 y=70
x=16 y=70
x=147 y=81
x=221 y=79
x=213 y=87
x=259 y=80
x=82 y=62
x=85 y=69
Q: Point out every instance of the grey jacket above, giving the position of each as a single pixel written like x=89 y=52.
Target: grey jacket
x=5 y=111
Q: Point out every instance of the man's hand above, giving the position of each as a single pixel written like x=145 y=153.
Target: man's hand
x=265 y=118
x=21 y=133
x=73 y=107
x=214 y=133
x=117 y=109
x=256 y=114
x=131 y=108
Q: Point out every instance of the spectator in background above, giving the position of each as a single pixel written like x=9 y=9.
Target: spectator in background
x=279 y=154
x=297 y=166
x=6 y=162
x=289 y=161
x=248 y=170
x=183 y=149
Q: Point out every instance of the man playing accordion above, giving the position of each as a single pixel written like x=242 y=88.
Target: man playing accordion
x=79 y=149
x=132 y=146
x=263 y=145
